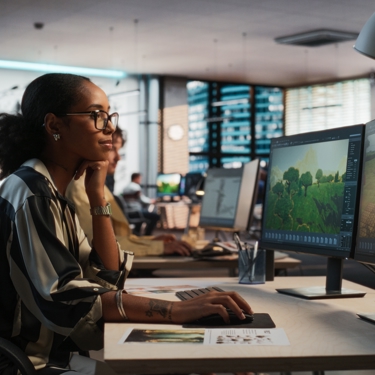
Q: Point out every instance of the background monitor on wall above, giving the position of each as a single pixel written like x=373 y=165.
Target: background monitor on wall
x=311 y=201
x=168 y=185
x=229 y=197
x=365 y=244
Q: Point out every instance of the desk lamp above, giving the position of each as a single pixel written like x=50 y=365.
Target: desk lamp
x=365 y=42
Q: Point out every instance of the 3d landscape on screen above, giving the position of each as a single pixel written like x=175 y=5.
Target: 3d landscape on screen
x=367 y=208
x=306 y=187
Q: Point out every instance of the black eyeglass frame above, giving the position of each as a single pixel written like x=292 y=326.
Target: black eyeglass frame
x=95 y=114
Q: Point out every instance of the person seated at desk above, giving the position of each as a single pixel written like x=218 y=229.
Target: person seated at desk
x=137 y=202
x=165 y=244
x=57 y=290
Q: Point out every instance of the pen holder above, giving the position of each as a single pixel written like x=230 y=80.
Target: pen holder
x=252 y=266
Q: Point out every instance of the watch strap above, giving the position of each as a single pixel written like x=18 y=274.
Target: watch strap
x=101 y=210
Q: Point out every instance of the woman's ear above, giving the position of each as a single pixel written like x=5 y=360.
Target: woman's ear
x=52 y=124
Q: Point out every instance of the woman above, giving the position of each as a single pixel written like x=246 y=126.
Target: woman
x=57 y=290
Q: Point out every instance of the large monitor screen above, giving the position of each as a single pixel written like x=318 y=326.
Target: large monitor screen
x=365 y=245
x=168 y=185
x=229 y=196
x=311 y=198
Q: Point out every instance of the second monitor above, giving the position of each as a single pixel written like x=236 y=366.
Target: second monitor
x=229 y=197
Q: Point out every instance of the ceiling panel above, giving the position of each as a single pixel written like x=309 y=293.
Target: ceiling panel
x=177 y=37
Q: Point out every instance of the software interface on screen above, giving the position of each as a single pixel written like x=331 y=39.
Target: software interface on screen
x=229 y=196
x=311 y=202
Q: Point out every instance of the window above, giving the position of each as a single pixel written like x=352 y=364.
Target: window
x=328 y=106
x=231 y=124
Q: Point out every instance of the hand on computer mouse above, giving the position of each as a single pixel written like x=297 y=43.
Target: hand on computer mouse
x=209 y=304
x=165 y=238
x=177 y=248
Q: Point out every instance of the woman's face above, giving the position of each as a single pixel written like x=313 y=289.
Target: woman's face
x=80 y=137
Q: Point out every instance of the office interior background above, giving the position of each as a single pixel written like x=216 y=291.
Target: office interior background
x=201 y=83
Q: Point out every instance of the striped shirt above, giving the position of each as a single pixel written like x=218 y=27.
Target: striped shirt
x=51 y=279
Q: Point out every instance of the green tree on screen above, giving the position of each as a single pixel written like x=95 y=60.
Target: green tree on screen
x=306 y=181
x=319 y=175
x=278 y=189
x=290 y=176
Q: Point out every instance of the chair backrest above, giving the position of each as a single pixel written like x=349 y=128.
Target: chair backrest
x=12 y=357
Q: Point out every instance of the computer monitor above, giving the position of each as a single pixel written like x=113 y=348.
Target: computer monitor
x=190 y=184
x=168 y=185
x=229 y=197
x=311 y=201
x=365 y=244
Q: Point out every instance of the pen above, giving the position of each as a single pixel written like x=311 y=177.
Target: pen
x=239 y=246
x=255 y=253
x=237 y=241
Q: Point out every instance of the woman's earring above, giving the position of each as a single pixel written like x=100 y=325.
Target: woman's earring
x=56 y=136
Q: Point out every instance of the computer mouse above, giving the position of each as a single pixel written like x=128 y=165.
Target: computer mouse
x=217 y=320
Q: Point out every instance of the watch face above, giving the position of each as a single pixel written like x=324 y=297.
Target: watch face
x=175 y=132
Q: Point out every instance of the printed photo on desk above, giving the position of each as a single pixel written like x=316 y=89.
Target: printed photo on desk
x=261 y=337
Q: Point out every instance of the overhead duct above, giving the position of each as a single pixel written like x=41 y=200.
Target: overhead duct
x=317 y=38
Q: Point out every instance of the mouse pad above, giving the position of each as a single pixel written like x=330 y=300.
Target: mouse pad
x=261 y=320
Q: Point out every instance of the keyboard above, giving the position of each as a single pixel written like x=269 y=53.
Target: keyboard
x=189 y=294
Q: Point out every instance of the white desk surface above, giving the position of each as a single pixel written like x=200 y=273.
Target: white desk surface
x=324 y=334
x=178 y=262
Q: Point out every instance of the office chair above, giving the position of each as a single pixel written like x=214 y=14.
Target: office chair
x=13 y=358
x=137 y=217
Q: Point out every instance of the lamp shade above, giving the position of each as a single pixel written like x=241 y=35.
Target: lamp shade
x=365 y=42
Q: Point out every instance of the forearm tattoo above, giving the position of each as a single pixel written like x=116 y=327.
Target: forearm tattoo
x=164 y=308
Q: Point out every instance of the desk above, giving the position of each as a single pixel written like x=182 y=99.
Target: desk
x=324 y=335
x=189 y=263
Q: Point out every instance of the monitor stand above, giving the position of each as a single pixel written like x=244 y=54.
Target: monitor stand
x=332 y=289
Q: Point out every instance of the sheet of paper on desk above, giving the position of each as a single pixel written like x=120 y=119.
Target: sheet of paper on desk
x=237 y=336
x=158 y=289
x=246 y=336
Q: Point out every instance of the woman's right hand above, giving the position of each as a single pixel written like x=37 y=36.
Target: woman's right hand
x=177 y=247
x=96 y=172
x=208 y=304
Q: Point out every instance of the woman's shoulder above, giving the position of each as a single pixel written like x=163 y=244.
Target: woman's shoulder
x=25 y=182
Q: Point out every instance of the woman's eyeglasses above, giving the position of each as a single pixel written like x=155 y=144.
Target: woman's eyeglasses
x=100 y=117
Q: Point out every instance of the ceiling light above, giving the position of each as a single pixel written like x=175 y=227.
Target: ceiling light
x=317 y=38
x=365 y=42
x=126 y=93
x=50 y=68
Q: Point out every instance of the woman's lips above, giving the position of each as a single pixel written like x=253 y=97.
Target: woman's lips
x=107 y=144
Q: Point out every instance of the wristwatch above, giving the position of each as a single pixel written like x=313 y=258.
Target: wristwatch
x=100 y=210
